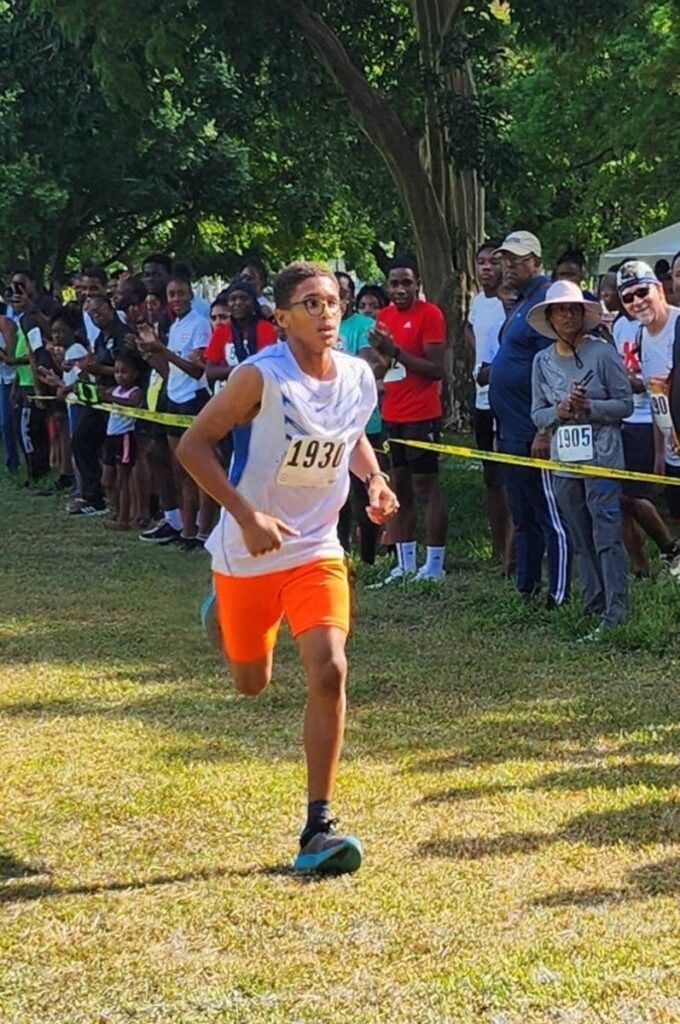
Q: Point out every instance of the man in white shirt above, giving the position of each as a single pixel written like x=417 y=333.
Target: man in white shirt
x=181 y=363
x=484 y=321
x=643 y=298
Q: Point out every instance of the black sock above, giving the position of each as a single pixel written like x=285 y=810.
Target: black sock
x=318 y=817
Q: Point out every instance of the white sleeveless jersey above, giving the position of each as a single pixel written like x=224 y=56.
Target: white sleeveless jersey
x=292 y=460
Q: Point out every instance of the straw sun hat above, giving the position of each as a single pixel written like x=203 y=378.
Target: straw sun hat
x=563 y=293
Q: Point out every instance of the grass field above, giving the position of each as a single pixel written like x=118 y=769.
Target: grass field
x=516 y=794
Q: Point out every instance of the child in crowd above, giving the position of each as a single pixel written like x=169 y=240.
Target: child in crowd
x=119 y=450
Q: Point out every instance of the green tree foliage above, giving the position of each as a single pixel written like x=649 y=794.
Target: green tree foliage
x=592 y=123
x=306 y=127
x=78 y=173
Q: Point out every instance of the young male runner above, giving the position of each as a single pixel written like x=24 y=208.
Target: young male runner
x=297 y=412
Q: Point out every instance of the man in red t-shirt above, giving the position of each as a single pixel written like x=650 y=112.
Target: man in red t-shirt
x=411 y=333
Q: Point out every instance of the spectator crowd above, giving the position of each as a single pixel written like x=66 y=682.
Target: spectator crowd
x=560 y=373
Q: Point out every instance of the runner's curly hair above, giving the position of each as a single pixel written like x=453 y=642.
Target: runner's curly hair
x=294 y=274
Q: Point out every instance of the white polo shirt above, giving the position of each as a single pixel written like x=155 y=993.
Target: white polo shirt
x=486 y=318
x=186 y=334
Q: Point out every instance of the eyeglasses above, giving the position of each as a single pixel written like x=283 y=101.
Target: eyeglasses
x=513 y=261
x=639 y=293
x=317 y=307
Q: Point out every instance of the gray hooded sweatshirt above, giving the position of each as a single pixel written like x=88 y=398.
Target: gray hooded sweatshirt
x=609 y=393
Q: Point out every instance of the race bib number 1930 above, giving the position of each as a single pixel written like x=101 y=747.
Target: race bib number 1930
x=311 y=462
x=575 y=443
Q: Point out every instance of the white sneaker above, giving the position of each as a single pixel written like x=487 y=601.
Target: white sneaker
x=671 y=566
x=593 y=637
x=396 y=575
x=424 y=574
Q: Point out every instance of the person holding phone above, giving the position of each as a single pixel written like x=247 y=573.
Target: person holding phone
x=581 y=395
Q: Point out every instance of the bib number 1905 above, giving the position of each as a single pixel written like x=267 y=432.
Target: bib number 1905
x=575 y=443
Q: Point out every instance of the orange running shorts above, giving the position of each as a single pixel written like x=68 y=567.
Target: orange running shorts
x=250 y=608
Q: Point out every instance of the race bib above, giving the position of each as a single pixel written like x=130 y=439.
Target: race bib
x=575 y=443
x=396 y=372
x=658 y=394
x=311 y=462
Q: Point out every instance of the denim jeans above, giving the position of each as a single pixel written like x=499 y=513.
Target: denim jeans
x=9 y=439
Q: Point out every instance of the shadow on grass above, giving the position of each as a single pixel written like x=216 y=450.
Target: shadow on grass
x=29 y=892
x=219 y=725
x=659 y=879
x=10 y=867
x=423 y=653
x=589 y=719
x=640 y=825
x=612 y=777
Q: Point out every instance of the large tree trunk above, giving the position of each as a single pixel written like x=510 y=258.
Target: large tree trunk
x=458 y=189
x=444 y=207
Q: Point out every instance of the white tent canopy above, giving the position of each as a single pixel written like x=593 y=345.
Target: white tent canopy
x=661 y=244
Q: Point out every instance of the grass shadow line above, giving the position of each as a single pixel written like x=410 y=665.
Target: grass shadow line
x=10 y=867
x=29 y=892
x=659 y=879
x=609 y=777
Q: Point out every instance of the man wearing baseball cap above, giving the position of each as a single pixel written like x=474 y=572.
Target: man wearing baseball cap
x=643 y=297
x=538 y=525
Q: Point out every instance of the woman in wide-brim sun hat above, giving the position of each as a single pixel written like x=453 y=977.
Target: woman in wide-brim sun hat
x=580 y=396
x=564 y=293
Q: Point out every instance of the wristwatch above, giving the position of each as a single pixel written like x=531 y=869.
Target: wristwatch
x=378 y=472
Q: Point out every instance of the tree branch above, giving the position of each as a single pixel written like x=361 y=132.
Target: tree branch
x=139 y=233
x=379 y=121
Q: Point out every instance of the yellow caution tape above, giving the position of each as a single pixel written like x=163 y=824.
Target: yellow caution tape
x=169 y=419
x=575 y=469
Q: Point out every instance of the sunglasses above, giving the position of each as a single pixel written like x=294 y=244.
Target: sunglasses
x=639 y=293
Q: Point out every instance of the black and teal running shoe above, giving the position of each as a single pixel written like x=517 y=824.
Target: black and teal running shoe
x=328 y=853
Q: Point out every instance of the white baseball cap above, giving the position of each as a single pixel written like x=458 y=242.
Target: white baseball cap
x=521 y=243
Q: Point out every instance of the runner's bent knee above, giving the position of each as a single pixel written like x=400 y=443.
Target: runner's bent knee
x=251 y=678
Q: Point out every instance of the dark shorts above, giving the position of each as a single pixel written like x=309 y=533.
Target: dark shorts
x=672 y=494
x=418 y=460
x=485 y=434
x=191 y=408
x=120 y=450
x=639 y=454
